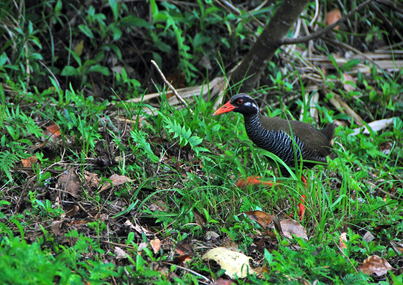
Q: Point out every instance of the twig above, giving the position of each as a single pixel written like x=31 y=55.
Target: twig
x=316 y=13
x=325 y=30
x=346 y=257
x=190 y=270
x=172 y=88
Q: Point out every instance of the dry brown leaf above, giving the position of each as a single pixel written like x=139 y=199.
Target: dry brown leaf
x=398 y=247
x=234 y=263
x=349 y=82
x=52 y=132
x=56 y=225
x=210 y=235
x=375 y=264
x=333 y=16
x=262 y=218
x=343 y=238
x=368 y=237
x=91 y=179
x=291 y=227
x=116 y=180
x=119 y=179
x=200 y=219
x=28 y=162
x=120 y=253
x=69 y=182
x=155 y=244
x=141 y=246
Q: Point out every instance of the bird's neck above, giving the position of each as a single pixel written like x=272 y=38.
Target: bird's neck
x=252 y=120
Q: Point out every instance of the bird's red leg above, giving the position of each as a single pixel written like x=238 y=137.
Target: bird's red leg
x=301 y=205
x=257 y=180
x=253 y=180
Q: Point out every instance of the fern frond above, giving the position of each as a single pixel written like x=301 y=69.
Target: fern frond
x=140 y=139
x=7 y=161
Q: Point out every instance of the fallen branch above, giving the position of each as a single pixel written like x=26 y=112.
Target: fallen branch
x=172 y=88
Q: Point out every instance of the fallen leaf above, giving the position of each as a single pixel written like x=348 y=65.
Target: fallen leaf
x=262 y=218
x=200 y=219
x=398 y=247
x=234 y=263
x=116 y=180
x=28 y=162
x=368 y=237
x=120 y=253
x=79 y=48
x=155 y=244
x=69 y=182
x=91 y=179
x=333 y=16
x=291 y=227
x=141 y=246
x=52 y=132
x=375 y=264
x=56 y=225
x=210 y=235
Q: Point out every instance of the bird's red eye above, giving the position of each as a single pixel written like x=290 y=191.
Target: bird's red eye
x=240 y=101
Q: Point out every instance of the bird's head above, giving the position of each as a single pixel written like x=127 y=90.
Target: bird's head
x=240 y=103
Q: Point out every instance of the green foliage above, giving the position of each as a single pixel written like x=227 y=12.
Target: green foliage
x=14 y=142
x=312 y=263
x=139 y=137
x=184 y=134
x=110 y=46
x=22 y=263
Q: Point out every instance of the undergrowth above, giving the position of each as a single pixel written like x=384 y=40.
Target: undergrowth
x=67 y=219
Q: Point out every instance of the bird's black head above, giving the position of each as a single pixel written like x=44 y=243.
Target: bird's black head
x=240 y=103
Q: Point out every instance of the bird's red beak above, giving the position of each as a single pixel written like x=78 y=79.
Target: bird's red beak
x=224 y=109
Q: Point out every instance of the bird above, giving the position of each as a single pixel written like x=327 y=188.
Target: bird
x=288 y=139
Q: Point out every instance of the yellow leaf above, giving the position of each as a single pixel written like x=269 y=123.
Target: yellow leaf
x=79 y=48
x=234 y=263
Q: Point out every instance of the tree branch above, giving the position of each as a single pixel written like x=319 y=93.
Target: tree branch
x=325 y=30
x=258 y=58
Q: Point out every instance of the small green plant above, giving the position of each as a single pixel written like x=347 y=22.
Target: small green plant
x=139 y=137
x=184 y=134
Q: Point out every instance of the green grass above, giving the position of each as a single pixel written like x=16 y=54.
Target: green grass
x=339 y=199
x=178 y=162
